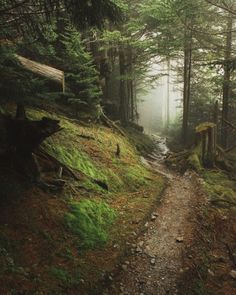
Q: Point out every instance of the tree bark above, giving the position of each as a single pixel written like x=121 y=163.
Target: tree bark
x=226 y=83
x=187 y=83
x=168 y=96
x=123 y=109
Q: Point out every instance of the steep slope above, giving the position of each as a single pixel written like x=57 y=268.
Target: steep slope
x=62 y=242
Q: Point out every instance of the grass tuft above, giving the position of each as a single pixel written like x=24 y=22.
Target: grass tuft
x=91 y=220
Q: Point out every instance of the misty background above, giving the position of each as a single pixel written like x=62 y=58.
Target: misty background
x=152 y=104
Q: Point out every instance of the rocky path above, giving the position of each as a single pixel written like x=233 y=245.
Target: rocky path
x=157 y=261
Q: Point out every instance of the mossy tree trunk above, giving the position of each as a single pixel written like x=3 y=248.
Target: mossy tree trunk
x=206 y=139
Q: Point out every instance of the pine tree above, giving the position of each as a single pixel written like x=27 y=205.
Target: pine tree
x=82 y=78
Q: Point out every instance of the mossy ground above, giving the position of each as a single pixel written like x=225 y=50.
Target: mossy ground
x=212 y=256
x=39 y=253
x=220 y=188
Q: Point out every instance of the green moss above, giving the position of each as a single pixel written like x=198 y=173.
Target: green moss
x=96 y=158
x=217 y=177
x=204 y=126
x=64 y=276
x=115 y=181
x=194 y=162
x=220 y=188
x=75 y=159
x=137 y=176
x=60 y=274
x=92 y=186
x=91 y=220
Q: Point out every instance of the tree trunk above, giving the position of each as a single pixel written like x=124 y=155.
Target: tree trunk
x=132 y=106
x=226 y=83
x=206 y=134
x=187 y=82
x=130 y=83
x=123 y=109
x=216 y=119
x=168 y=96
x=22 y=138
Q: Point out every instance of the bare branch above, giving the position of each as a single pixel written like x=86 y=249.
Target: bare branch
x=224 y=6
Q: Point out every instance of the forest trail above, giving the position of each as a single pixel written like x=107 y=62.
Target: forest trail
x=157 y=261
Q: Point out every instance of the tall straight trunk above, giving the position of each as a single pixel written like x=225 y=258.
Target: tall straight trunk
x=132 y=106
x=168 y=95
x=226 y=83
x=123 y=109
x=135 y=109
x=187 y=84
x=130 y=83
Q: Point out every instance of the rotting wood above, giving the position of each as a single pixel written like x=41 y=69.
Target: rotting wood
x=206 y=138
x=43 y=70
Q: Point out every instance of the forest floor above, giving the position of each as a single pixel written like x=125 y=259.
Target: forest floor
x=41 y=250
x=168 y=237
x=164 y=261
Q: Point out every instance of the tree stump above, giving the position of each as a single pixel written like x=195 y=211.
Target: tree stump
x=206 y=141
x=20 y=137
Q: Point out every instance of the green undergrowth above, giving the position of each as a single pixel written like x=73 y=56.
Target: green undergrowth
x=92 y=151
x=74 y=158
x=76 y=235
x=220 y=188
x=64 y=277
x=194 y=158
x=91 y=220
x=216 y=230
x=143 y=142
x=96 y=156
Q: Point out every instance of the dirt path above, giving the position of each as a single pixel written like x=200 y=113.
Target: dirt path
x=157 y=260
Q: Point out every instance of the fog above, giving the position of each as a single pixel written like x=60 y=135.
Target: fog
x=152 y=106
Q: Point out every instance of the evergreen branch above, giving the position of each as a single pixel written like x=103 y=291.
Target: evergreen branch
x=224 y=7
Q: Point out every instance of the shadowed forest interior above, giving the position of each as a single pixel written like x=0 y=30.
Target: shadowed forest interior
x=117 y=147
